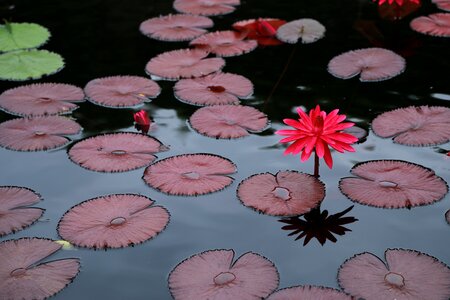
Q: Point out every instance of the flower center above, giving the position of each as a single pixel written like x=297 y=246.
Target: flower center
x=18 y=272
x=318 y=125
x=394 y=279
x=387 y=184
x=224 y=278
x=119 y=152
x=282 y=193
x=118 y=221
x=191 y=175
x=216 y=88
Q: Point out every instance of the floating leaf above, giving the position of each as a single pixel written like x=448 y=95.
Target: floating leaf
x=309 y=292
x=190 y=174
x=213 y=89
x=113 y=221
x=407 y=274
x=29 y=64
x=393 y=184
x=14 y=211
x=228 y=121
x=287 y=193
x=41 y=99
x=213 y=275
x=415 y=125
x=17 y=36
x=24 y=275
x=115 y=152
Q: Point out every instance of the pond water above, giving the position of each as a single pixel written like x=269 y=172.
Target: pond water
x=101 y=38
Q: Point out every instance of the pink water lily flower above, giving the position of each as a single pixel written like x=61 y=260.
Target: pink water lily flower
x=317 y=131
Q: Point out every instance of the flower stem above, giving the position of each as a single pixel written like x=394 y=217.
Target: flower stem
x=316 y=165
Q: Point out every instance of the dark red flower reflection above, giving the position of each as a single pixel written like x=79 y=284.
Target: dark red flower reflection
x=318 y=225
x=262 y=30
x=142 y=121
x=397 y=9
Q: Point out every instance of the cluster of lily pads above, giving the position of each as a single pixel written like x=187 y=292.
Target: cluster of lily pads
x=121 y=220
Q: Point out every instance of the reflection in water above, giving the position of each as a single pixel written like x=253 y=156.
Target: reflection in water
x=319 y=225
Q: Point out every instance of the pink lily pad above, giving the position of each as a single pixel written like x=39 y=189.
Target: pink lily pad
x=442 y=4
x=24 y=276
x=287 y=193
x=115 y=152
x=228 y=121
x=305 y=30
x=15 y=214
x=113 y=221
x=213 y=275
x=41 y=99
x=174 y=28
x=393 y=184
x=214 y=89
x=121 y=91
x=37 y=134
x=225 y=43
x=206 y=7
x=357 y=132
x=309 y=292
x=190 y=174
x=184 y=63
x=406 y=275
x=415 y=125
x=435 y=24
x=372 y=64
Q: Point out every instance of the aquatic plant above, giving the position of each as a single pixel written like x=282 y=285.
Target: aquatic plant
x=142 y=121
x=263 y=30
x=224 y=43
x=317 y=132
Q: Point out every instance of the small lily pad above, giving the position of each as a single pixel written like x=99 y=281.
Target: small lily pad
x=17 y=36
x=29 y=64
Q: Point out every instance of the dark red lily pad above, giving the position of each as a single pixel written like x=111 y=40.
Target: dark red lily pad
x=287 y=193
x=121 y=91
x=174 y=28
x=24 y=276
x=225 y=43
x=435 y=24
x=206 y=7
x=15 y=214
x=415 y=125
x=372 y=64
x=190 y=174
x=213 y=275
x=407 y=274
x=214 y=89
x=184 y=63
x=393 y=184
x=113 y=221
x=41 y=99
x=228 y=121
x=37 y=134
x=309 y=292
x=115 y=152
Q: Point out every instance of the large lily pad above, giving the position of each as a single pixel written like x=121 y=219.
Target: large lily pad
x=16 y=36
x=29 y=64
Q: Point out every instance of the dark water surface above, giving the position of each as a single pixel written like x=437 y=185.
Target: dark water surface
x=101 y=38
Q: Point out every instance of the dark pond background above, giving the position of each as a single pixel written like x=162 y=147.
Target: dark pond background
x=101 y=38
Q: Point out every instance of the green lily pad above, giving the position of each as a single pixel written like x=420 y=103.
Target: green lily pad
x=29 y=64
x=16 y=36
